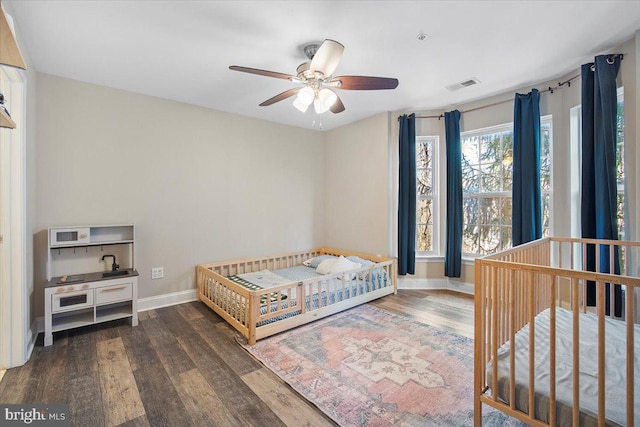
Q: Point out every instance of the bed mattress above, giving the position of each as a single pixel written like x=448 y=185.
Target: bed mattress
x=265 y=279
x=615 y=369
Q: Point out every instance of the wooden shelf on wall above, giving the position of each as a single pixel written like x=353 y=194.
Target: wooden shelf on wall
x=9 y=51
x=5 y=120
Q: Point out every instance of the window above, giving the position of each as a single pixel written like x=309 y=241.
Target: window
x=487 y=175
x=620 y=164
x=425 y=193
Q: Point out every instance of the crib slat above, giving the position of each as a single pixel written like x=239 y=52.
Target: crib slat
x=485 y=321
x=627 y=256
x=487 y=324
x=552 y=358
x=576 y=351
x=479 y=362
x=630 y=312
x=532 y=346
x=512 y=345
x=584 y=282
x=612 y=270
x=494 y=332
x=601 y=353
x=560 y=254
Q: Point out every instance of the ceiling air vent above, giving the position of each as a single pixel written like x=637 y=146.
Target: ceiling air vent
x=465 y=83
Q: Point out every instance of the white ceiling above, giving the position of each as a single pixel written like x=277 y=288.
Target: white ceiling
x=181 y=50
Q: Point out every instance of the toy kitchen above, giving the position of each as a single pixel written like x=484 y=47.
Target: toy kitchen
x=91 y=277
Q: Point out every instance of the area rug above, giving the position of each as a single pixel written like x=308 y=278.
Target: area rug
x=369 y=367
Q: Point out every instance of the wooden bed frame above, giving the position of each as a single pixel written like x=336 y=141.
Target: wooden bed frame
x=240 y=307
x=513 y=286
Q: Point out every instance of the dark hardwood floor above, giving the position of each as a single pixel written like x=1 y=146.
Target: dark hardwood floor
x=182 y=366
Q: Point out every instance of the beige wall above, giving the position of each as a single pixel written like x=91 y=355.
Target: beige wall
x=356 y=179
x=199 y=185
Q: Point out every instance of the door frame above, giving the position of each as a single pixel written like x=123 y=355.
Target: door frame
x=15 y=336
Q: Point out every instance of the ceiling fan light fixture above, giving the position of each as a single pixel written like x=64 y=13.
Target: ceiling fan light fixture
x=327 y=97
x=300 y=106
x=305 y=96
x=319 y=106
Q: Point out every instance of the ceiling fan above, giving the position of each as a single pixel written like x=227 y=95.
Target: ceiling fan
x=318 y=83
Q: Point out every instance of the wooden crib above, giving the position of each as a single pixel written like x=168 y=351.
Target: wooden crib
x=291 y=304
x=534 y=334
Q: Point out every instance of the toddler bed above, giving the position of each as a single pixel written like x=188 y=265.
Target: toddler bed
x=544 y=356
x=264 y=296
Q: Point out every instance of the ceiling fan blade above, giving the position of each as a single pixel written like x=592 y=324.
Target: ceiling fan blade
x=281 y=96
x=327 y=57
x=262 y=72
x=338 y=106
x=364 y=83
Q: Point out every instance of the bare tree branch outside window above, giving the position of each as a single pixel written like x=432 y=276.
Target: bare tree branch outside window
x=425 y=147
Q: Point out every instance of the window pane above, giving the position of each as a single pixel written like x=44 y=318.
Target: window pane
x=507 y=142
x=505 y=207
x=470 y=239
x=470 y=154
x=490 y=148
x=424 y=214
x=469 y=180
x=424 y=184
x=545 y=174
x=491 y=177
x=424 y=154
x=620 y=165
x=424 y=240
x=507 y=160
x=490 y=211
x=426 y=201
x=505 y=241
x=489 y=239
x=469 y=211
x=507 y=179
x=620 y=214
x=545 y=139
x=545 y=210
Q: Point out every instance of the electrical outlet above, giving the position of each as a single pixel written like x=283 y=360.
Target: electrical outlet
x=157 y=272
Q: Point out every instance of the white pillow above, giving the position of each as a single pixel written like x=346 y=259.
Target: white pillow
x=336 y=265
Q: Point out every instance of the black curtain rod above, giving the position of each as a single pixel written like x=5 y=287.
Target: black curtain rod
x=549 y=89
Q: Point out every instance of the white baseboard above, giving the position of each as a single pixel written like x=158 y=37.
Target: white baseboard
x=40 y=324
x=33 y=336
x=166 y=300
x=440 y=284
x=144 y=304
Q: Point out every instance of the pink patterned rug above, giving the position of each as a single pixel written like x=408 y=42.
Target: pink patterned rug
x=369 y=367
